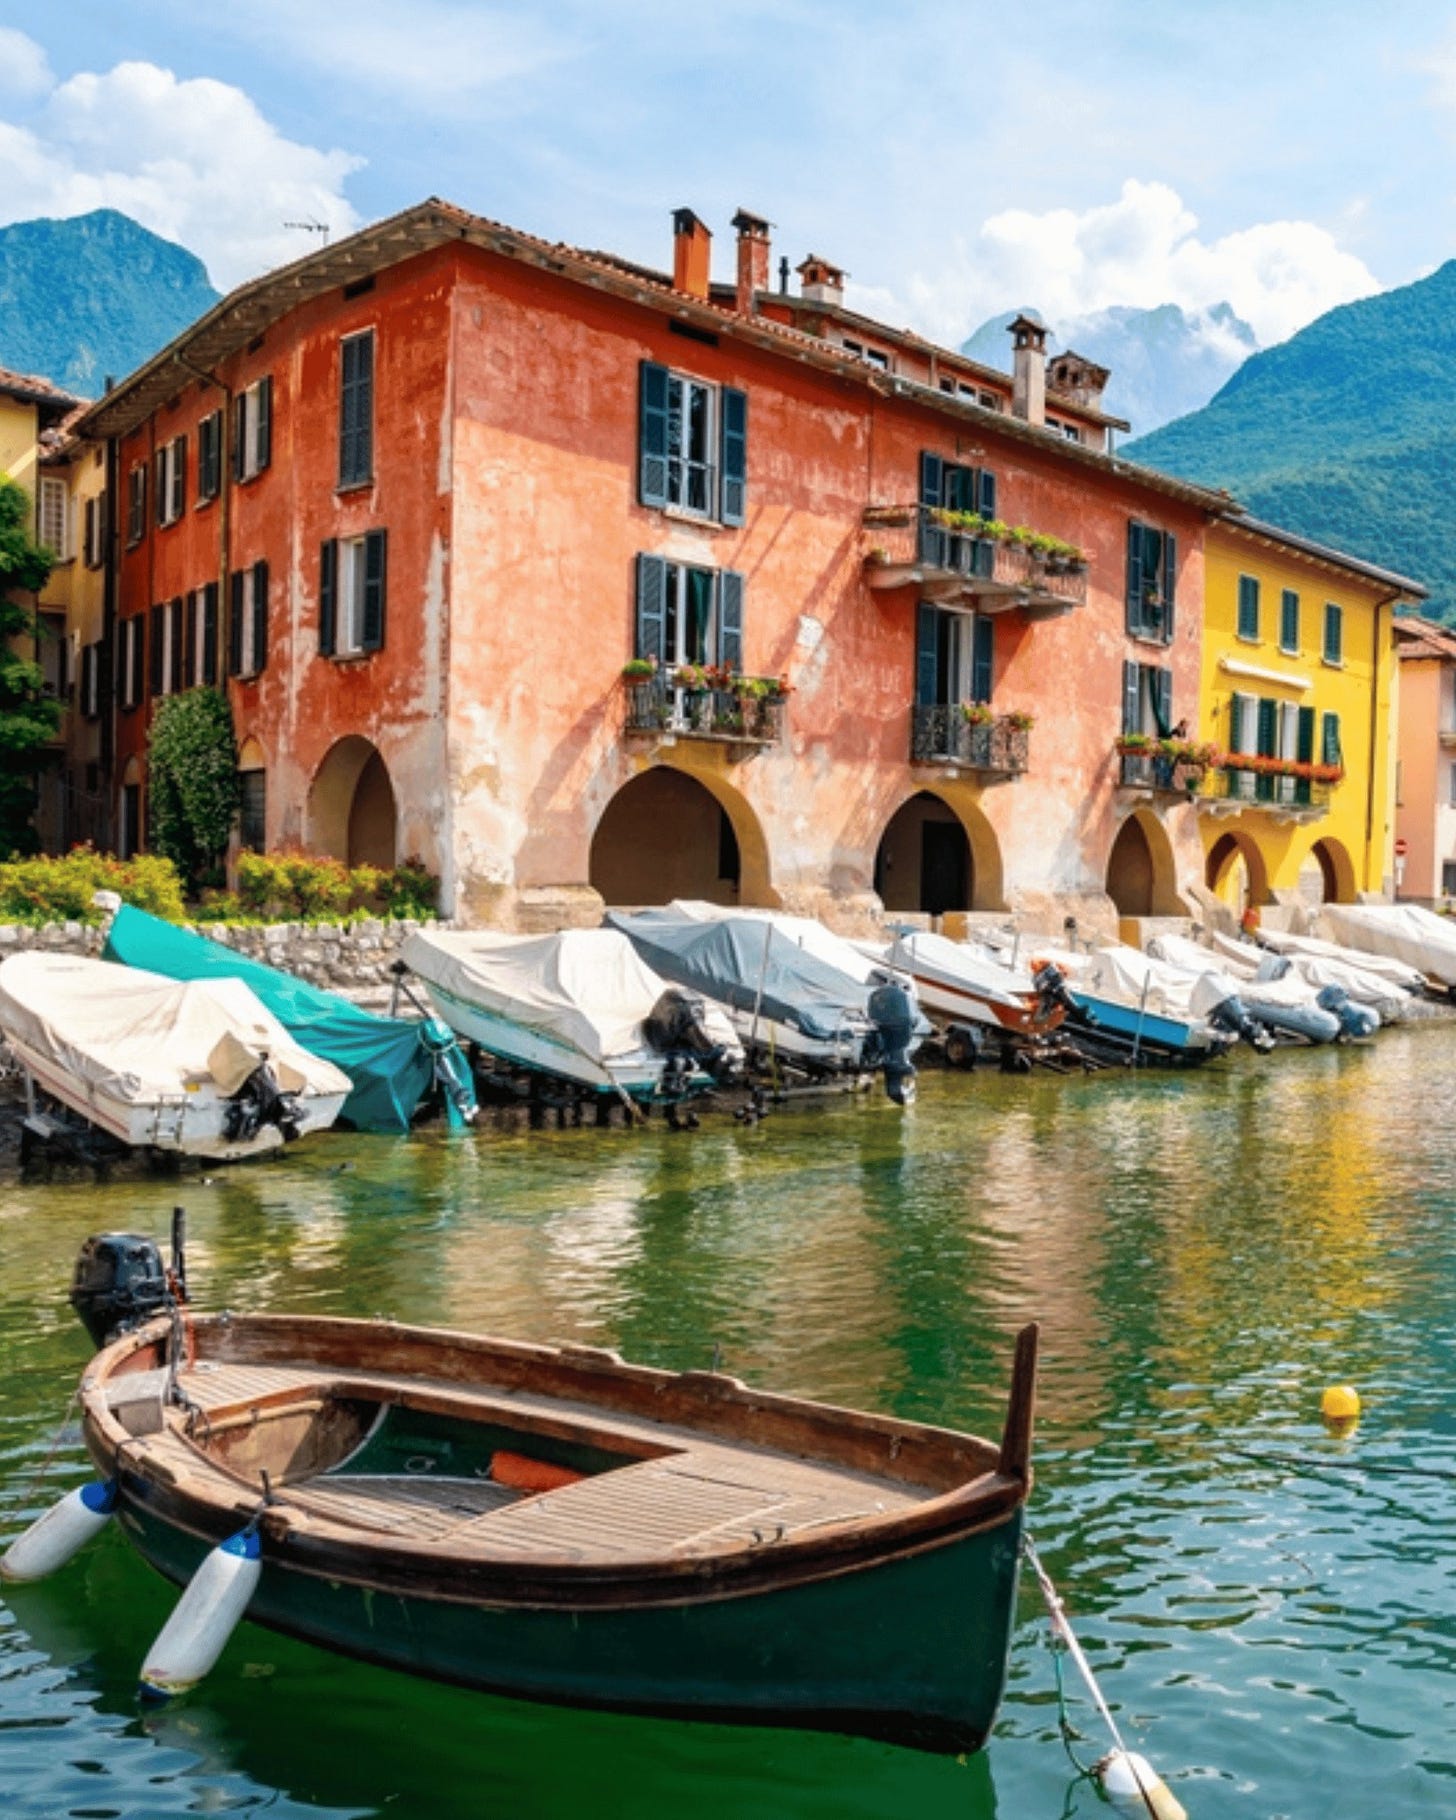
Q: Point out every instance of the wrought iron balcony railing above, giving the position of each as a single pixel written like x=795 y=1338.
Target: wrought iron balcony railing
x=655 y=704
x=918 y=544
x=1233 y=787
x=941 y=735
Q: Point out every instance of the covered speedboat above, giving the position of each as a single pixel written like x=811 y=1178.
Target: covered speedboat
x=1400 y=932
x=1129 y=1009
x=1373 y=979
x=547 y=1522
x=1284 y=1004
x=961 y=982
x=581 y=1006
x=393 y=1063
x=1361 y=999
x=201 y=1068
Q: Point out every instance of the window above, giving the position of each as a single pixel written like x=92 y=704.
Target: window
x=1152 y=578
x=1147 y=699
x=1334 y=633
x=95 y=531
x=171 y=480
x=165 y=643
x=1330 y=753
x=1248 y=623
x=875 y=356
x=253 y=810
x=253 y=430
x=1448 y=878
x=954 y=656
x=1289 y=621
x=136 y=503
x=248 y=620
x=52 y=651
x=91 y=681
x=209 y=457
x=692 y=445
x=54 y=526
x=132 y=676
x=1069 y=430
x=352 y=594
x=356 y=409
x=200 y=637
x=687 y=615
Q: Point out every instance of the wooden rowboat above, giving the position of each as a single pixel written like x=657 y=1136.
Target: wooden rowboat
x=554 y=1524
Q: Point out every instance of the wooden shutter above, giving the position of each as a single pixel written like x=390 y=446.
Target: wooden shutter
x=209 y=634
x=1334 y=633
x=986 y=493
x=1268 y=727
x=264 y=434
x=983 y=644
x=174 y=616
x=650 y=636
x=652 y=435
x=1163 y=702
x=356 y=409
x=260 y=615
x=1248 y=606
x=932 y=544
x=372 y=636
x=927 y=655
x=190 y=677
x=1132 y=697
x=240 y=435
x=1289 y=620
x=1170 y=586
x=1134 y=586
x=733 y=457
x=235 y=621
x=1236 y=723
x=138 y=660
x=730 y=619
x=179 y=477
x=160 y=489
x=1330 y=753
x=155 y=675
x=328 y=596
x=1304 y=747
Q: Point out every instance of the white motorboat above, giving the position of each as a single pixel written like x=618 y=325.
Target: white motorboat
x=1287 y=1006
x=580 y=1005
x=1371 y=973
x=1362 y=1000
x=961 y=982
x=1399 y=932
x=196 y=1067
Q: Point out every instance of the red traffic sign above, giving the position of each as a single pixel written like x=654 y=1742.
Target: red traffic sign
x=1402 y=846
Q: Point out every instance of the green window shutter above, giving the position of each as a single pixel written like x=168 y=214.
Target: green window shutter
x=730 y=619
x=235 y=621
x=178 y=652
x=209 y=633
x=189 y=634
x=1289 y=620
x=983 y=646
x=1248 y=606
x=154 y=646
x=356 y=409
x=1236 y=723
x=240 y=435
x=265 y=423
x=1268 y=727
x=927 y=655
x=1304 y=749
x=159 y=488
x=1170 y=587
x=1132 y=697
x=375 y=590
x=1334 y=633
x=179 y=479
x=1330 y=753
x=932 y=543
x=932 y=479
x=260 y=615
x=652 y=449
x=986 y=493
x=1163 y=702
x=328 y=596
x=651 y=628
x=733 y=457
x=1134 y=582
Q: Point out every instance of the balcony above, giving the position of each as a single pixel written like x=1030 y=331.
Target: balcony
x=941 y=735
x=748 y=714
x=1158 y=775
x=949 y=557
x=1232 y=789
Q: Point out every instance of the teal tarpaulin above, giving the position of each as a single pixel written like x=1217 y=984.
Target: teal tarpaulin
x=389 y=1059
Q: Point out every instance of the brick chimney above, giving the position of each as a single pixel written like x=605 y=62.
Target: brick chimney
x=753 y=259
x=1078 y=378
x=1028 y=370
x=820 y=281
x=692 y=247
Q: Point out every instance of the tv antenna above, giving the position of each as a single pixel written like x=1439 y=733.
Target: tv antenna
x=321 y=228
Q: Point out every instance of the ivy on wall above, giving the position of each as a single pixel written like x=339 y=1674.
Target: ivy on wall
x=193 y=787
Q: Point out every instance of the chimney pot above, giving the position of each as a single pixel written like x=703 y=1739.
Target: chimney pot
x=1028 y=369
x=692 y=246
x=753 y=259
x=821 y=282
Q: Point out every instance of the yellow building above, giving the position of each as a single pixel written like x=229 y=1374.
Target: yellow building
x=1299 y=673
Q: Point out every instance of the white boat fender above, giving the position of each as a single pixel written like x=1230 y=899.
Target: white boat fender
x=203 y=1619
x=63 y=1531
x=1133 y=1786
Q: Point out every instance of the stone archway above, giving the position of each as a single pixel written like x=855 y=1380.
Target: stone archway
x=1328 y=875
x=1236 y=873
x=352 y=813
x=1142 y=874
x=670 y=833
x=937 y=854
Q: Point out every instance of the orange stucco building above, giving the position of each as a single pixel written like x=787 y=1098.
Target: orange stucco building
x=1425 y=810
x=418 y=499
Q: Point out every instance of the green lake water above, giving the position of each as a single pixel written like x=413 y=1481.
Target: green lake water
x=1206 y=1253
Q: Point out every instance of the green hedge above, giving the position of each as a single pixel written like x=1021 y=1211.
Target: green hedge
x=60 y=890
x=300 y=888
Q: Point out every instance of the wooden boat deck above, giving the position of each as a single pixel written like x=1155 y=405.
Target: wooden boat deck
x=704 y=1496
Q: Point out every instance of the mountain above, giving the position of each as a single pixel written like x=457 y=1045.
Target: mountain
x=93 y=295
x=1165 y=362
x=1342 y=433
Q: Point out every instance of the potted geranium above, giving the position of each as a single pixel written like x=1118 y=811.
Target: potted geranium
x=1019 y=721
x=978 y=713
x=639 y=669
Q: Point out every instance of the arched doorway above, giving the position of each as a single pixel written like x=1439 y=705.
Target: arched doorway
x=924 y=860
x=667 y=834
x=1142 y=877
x=1235 y=872
x=1327 y=876
x=351 y=808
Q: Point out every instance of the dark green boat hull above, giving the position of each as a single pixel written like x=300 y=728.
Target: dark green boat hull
x=912 y=1649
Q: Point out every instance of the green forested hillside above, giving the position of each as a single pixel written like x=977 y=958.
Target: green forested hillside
x=94 y=295
x=1344 y=433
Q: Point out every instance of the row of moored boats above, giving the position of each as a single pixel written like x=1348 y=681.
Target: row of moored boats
x=174 y=1042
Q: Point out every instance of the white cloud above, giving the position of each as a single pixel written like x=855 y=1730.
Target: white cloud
x=193 y=160
x=23 y=66
x=1142 y=250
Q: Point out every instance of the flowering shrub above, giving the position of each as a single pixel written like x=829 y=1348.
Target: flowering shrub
x=60 y=890
x=300 y=887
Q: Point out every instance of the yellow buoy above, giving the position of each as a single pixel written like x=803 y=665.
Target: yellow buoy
x=1340 y=1403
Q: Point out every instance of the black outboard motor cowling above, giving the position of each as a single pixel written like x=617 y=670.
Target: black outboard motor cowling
x=1051 y=989
x=1229 y=1014
x=119 y=1283
x=261 y=1101
x=892 y=1013
x=675 y=1028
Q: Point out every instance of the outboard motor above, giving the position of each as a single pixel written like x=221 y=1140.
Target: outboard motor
x=1355 y=1020
x=119 y=1283
x=674 y=1028
x=1051 y=989
x=261 y=1101
x=892 y=1013
x=1229 y=1014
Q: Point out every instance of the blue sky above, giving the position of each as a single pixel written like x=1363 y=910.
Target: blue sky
x=956 y=159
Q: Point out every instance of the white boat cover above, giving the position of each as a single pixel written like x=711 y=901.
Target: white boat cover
x=965 y=963
x=1318 y=971
x=803 y=931
x=138 y=1038
x=1402 y=932
x=1394 y=973
x=587 y=988
x=1125 y=973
